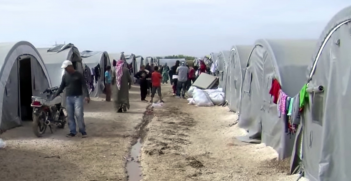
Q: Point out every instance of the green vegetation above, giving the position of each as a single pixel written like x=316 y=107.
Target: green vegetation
x=178 y=56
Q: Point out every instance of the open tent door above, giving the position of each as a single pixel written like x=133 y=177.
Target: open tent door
x=25 y=88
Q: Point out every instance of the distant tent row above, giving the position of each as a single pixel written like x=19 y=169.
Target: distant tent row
x=320 y=147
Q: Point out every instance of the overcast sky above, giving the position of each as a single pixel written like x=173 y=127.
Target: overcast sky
x=162 y=27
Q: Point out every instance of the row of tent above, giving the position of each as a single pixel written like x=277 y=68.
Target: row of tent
x=320 y=148
x=27 y=71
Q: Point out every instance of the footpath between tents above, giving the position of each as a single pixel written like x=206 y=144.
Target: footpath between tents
x=185 y=142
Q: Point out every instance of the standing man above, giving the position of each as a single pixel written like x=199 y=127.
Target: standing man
x=108 y=80
x=76 y=88
x=142 y=76
x=182 y=72
x=174 y=80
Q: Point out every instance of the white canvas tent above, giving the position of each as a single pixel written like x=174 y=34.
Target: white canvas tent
x=234 y=74
x=92 y=59
x=22 y=75
x=325 y=121
x=53 y=58
x=285 y=61
x=222 y=61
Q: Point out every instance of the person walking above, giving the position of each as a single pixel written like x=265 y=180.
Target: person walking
x=73 y=82
x=182 y=72
x=121 y=83
x=191 y=77
x=142 y=76
x=174 y=77
x=156 y=78
x=108 y=80
x=165 y=72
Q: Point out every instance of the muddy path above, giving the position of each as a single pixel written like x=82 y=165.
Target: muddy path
x=185 y=142
x=100 y=157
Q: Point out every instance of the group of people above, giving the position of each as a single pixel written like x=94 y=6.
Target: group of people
x=118 y=82
x=183 y=75
x=149 y=79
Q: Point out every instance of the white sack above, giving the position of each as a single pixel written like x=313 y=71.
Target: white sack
x=217 y=98
x=201 y=98
x=191 y=91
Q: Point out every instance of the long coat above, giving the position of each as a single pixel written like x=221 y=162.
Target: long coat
x=121 y=96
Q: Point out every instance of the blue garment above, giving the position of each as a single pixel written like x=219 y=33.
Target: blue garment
x=75 y=109
x=108 y=78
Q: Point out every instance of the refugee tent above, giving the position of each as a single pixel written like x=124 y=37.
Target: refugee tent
x=22 y=75
x=234 y=74
x=285 y=61
x=114 y=56
x=53 y=58
x=221 y=62
x=323 y=133
x=97 y=61
x=138 y=61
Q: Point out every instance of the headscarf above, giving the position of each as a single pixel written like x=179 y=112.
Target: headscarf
x=114 y=63
x=119 y=73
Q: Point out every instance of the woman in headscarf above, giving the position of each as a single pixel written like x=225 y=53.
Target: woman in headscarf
x=121 y=83
x=165 y=71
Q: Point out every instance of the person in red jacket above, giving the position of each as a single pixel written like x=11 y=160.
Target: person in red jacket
x=156 y=78
x=202 y=67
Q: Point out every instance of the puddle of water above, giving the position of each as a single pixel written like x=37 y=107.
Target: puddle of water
x=133 y=165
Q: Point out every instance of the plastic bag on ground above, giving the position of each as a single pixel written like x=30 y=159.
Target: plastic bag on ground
x=191 y=101
x=2 y=144
x=201 y=98
x=156 y=105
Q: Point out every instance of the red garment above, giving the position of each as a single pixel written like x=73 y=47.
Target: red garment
x=191 y=73
x=275 y=90
x=202 y=67
x=156 y=79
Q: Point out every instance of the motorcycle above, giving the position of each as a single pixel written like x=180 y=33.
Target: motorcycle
x=48 y=112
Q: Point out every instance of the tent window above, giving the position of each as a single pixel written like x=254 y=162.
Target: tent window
x=317 y=100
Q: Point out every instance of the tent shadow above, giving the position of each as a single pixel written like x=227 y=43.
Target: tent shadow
x=16 y=164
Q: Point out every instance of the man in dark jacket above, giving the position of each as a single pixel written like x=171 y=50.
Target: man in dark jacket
x=76 y=88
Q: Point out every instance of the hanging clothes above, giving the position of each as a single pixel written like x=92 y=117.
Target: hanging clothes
x=290 y=106
x=286 y=117
x=281 y=103
x=303 y=97
x=295 y=114
x=275 y=90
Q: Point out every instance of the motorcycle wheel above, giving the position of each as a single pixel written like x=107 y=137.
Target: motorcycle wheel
x=38 y=126
x=63 y=123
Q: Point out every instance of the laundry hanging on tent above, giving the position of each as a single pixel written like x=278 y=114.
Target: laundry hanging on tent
x=275 y=90
x=281 y=103
x=295 y=114
x=304 y=96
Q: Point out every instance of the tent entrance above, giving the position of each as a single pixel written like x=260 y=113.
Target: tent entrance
x=25 y=88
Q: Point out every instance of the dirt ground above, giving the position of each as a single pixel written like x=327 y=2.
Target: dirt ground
x=101 y=156
x=185 y=142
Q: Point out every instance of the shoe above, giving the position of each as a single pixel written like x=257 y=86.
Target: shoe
x=84 y=135
x=70 y=135
x=119 y=110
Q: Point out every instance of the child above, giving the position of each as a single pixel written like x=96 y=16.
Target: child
x=156 y=78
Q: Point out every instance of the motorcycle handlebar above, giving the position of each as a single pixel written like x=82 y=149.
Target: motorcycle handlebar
x=50 y=90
